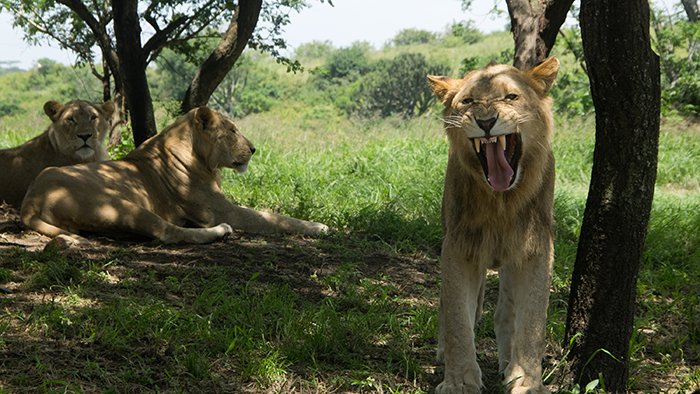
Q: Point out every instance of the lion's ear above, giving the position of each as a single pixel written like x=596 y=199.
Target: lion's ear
x=52 y=108
x=545 y=73
x=444 y=87
x=204 y=117
x=107 y=109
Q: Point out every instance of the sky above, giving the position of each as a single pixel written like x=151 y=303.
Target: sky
x=374 y=21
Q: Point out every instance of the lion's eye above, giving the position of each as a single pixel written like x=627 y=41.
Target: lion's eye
x=468 y=100
x=70 y=119
x=512 y=97
x=93 y=118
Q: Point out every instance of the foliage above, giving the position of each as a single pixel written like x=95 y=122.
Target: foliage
x=678 y=46
x=398 y=85
x=24 y=93
x=172 y=76
x=412 y=37
x=349 y=63
x=314 y=50
x=466 y=31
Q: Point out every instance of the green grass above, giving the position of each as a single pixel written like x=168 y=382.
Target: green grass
x=379 y=183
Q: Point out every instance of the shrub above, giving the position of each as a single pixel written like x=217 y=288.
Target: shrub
x=413 y=36
x=466 y=31
x=399 y=85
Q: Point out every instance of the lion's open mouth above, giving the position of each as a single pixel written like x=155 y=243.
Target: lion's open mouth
x=499 y=158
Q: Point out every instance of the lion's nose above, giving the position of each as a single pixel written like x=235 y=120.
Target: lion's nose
x=486 y=125
x=84 y=137
x=252 y=150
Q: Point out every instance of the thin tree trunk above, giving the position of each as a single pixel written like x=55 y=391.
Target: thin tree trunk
x=624 y=76
x=535 y=25
x=220 y=62
x=132 y=67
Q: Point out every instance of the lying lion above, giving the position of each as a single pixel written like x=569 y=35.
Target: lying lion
x=497 y=214
x=76 y=135
x=169 y=181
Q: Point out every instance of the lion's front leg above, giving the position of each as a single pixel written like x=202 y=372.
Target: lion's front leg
x=459 y=299
x=520 y=320
x=213 y=207
x=250 y=220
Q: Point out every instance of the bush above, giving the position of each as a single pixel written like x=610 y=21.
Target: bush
x=349 y=62
x=10 y=109
x=399 y=85
x=413 y=36
x=466 y=31
x=314 y=50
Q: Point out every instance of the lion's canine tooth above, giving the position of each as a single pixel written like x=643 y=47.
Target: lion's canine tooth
x=477 y=145
x=502 y=140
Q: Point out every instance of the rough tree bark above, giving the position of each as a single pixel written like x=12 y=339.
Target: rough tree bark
x=691 y=9
x=220 y=62
x=132 y=69
x=625 y=79
x=535 y=25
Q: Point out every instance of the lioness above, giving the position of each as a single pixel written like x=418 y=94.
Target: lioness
x=76 y=135
x=170 y=180
x=497 y=214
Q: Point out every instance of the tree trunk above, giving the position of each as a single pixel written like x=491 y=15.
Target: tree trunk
x=132 y=69
x=535 y=25
x=691 y=9
x=220 y=62
x=624 y=77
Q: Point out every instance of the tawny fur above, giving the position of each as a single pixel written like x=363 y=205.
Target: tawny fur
x=60 y=145
x=490 y=224
x=171 y=180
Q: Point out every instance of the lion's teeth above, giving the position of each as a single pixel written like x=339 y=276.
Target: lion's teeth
x=477 y=145
x=502 y=140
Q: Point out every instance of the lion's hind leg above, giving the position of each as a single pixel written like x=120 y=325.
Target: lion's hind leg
x=33 y=220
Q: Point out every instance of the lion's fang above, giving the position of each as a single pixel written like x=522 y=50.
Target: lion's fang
x=502 y=140
x=477 y=145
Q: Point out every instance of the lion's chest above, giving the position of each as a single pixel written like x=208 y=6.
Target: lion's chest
x=492 y=228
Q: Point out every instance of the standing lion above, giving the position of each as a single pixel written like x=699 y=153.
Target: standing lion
x=76 y=135
x=497 y=213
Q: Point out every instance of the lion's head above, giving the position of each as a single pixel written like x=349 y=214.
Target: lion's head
x=498 y=119
x=78 y=128
x=221 y=140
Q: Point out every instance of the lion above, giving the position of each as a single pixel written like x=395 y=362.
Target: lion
x=497 y=213
x=168 y=182
x=76 y=135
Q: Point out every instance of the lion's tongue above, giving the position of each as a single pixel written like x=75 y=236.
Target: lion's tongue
x=499 y=169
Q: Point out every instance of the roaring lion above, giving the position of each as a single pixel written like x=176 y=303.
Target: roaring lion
x=169 y=181
x=497 y=213
x=76 y=135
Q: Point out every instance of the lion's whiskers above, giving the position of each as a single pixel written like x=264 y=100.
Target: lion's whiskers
x=523 y=118
x=454 y=120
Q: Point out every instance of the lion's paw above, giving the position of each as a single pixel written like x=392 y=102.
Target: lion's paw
x=225 y=230
x=452 y=388
x=317 y=229
x=63 y=242
x=536 y=389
